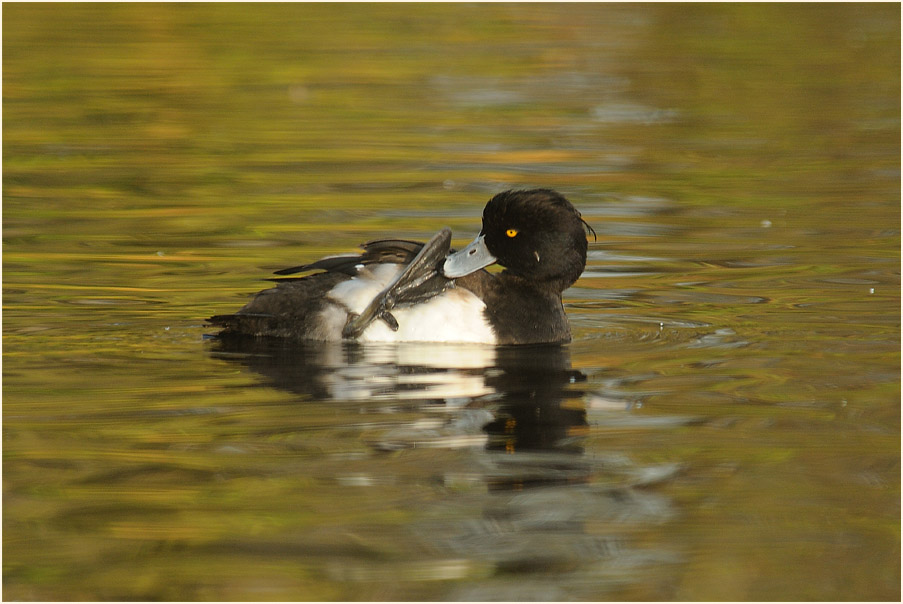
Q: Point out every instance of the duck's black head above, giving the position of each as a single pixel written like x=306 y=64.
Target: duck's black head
x=536 y=234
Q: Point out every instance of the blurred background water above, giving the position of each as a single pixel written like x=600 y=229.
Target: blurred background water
x=725 y=425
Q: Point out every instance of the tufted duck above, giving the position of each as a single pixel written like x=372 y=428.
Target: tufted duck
x=397 y=291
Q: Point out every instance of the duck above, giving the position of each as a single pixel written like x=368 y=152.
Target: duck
x=407 y=291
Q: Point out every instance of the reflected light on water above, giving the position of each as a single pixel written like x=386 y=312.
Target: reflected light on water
x=725 y=424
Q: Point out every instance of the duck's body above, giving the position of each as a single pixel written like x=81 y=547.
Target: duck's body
x=317 y=307
x=403 y=291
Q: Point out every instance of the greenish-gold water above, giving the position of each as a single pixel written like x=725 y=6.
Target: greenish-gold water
x=725 y=424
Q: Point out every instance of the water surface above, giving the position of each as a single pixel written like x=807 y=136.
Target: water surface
x=724 y=426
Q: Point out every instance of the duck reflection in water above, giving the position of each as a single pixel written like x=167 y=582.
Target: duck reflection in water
x=520 y=398
x=510 y=418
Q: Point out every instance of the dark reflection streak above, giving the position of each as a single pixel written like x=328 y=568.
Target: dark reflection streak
x=534 y=414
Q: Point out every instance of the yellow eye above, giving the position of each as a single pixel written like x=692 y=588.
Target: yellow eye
x=511 y=232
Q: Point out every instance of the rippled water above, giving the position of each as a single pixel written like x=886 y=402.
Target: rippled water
x=725 y=425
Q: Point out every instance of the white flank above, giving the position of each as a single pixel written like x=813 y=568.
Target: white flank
x=454 y=316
